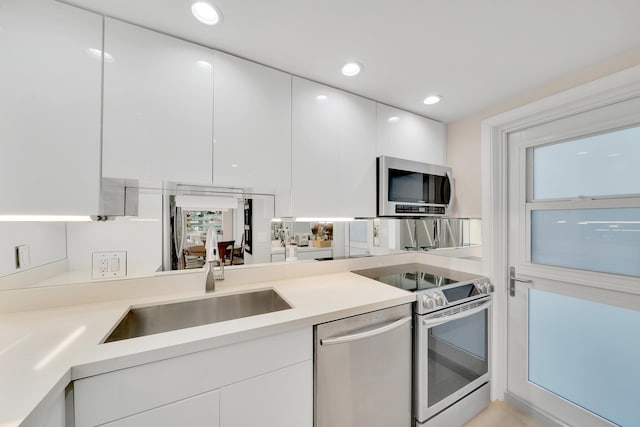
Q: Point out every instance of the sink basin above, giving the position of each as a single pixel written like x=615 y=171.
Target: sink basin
x=143 y=321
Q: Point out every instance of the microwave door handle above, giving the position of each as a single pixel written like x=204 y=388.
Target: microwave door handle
x=367 y=334
x=430 y=323
x=453 y=192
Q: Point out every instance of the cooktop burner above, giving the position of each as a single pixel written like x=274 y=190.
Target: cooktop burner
x=415 y=277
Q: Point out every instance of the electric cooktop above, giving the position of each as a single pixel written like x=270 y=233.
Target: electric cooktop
x=435 y=288
x=416 y=277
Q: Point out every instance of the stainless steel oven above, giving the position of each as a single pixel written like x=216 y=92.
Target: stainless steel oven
x=451 y=363
x=450 y=341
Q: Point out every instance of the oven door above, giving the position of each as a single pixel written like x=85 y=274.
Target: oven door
x=452 y=356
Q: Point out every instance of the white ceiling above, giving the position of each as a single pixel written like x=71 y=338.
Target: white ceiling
x=475 y=53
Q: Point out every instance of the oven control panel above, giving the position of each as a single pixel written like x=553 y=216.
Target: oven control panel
x=435 y=299
x=483 y=285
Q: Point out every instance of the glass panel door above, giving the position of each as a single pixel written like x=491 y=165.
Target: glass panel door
x=587 y=353
x=574 y=240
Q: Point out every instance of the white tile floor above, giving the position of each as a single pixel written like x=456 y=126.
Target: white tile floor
x=501 y=414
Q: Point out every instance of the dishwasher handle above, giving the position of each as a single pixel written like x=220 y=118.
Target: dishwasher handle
x=367 y=334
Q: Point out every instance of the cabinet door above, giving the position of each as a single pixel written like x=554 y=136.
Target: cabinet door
x=357 y=157
x=252 y=125
x=409 y=136
x=50 y=88
x=198 y=411
x=158 y=106
x=315 y=150
x=282 y=398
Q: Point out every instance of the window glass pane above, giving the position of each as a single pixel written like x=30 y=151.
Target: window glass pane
x=598 y=165
x=587 y=353
x=606 y=240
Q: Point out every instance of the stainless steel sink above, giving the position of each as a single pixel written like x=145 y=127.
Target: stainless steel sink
x=143 y=321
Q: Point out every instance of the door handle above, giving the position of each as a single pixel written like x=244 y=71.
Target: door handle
x=513 y=279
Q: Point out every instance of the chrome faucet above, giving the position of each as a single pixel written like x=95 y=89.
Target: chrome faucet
x=211 y=252
x=210 y=284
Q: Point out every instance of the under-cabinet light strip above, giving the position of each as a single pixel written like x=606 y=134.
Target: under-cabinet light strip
x=44 y=218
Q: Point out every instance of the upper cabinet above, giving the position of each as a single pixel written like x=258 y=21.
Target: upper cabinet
x=158 y=106
x=252 y=125
x=315 y=150
x=357 y=157
x=334 y=152
x=409 y=136
x=50 y=84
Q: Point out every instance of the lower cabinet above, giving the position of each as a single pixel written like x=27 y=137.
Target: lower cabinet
x=265 y=382
x=283 y=398
x=202 y=410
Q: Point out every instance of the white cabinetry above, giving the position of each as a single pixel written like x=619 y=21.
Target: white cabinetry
x=50 y=88
x=315 y=150
x=158 y=106
x=252 y=125
x=202 y=410
x=409 y=136
x=333 y=161
x=283 y=398
x=357 y=157
x=270 y=374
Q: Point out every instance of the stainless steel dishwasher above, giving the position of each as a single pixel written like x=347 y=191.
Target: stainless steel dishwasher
x=362 y=370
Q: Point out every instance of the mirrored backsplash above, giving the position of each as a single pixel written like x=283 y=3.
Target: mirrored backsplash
x=170 y=235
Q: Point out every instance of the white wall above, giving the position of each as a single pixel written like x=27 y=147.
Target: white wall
x=464 y=137
x=46 y=240
x=141 y=237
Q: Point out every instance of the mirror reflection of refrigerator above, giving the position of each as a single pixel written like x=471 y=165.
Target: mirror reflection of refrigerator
x=188 y=223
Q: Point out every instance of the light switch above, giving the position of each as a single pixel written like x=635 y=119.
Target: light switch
x=109 y=264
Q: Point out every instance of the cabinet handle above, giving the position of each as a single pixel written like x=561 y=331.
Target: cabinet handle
x=367 y=334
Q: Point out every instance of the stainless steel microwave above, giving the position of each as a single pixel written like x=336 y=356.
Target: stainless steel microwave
x=407 y=188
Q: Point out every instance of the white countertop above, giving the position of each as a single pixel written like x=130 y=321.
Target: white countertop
x=44 y=350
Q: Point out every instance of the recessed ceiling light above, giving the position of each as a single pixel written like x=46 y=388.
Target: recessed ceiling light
x=582 y=153
x=205 y=12
x=432 y=99
x=393 y=119
x=614 y=155
x=351 y=69
x=234 y=165
x=321 y=98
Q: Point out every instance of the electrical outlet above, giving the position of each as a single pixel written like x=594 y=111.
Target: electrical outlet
x=109 y=264
x=23 y=259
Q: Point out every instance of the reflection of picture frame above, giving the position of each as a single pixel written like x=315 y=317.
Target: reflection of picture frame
x=248 y=233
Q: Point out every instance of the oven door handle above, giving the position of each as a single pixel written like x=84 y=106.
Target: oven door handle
x=367 y=334
x=444 y=319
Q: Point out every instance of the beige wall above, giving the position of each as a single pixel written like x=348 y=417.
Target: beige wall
x=464 y=135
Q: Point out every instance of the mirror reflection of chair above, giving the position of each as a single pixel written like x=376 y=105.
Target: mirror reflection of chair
x=225 y=251
x=238 y=253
